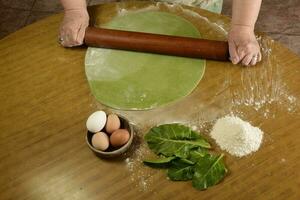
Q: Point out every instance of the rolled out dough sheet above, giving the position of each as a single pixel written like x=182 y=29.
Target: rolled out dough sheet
x=138 y=81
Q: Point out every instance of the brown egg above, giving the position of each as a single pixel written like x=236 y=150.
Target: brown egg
x=112 y=124
x=100 y=141
x=119 y=137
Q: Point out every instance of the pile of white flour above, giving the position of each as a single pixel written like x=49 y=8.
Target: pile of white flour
x=236 y=136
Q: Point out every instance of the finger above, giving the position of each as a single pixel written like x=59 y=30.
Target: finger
x=66 y=42
x=241 y=53
x=62 y=41
x=75 y=35
x=80 y=36
x=254 y=60
x=69 y=38
x=247 y=59
x=61 y=37
x=234 y=57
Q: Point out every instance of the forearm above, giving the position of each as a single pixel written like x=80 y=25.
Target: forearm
x=73 y=4
x=245 y=12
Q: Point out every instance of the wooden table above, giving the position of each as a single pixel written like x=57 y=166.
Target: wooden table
x=45 y=101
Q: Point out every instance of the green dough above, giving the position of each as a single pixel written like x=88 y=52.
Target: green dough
x=138 y=81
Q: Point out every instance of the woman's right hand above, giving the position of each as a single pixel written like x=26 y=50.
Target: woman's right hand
x=72 y=29
x=243 y=46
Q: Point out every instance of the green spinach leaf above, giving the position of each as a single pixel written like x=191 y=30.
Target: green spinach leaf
x=196 y=154
x=181 y=170
x=208 y=171
x=174 y=140
x=160 y=162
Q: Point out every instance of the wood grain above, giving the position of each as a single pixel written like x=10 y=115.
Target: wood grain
x=45 y=100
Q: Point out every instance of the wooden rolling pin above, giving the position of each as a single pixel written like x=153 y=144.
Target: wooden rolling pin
x=156 y=43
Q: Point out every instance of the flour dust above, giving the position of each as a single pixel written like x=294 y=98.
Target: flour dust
x=141 y=176
x=261 y=88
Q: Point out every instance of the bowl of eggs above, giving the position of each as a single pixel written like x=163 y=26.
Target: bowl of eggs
x=108 y=135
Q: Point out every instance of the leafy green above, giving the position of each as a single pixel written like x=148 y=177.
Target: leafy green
x=160 y=162
x=187 y=155
x=196 y=154
x=181 y=170
x=186 y=161
x=174 y=140
x=209 y=170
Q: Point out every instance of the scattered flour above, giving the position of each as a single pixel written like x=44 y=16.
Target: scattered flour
x=237 y=137
x=140 y=176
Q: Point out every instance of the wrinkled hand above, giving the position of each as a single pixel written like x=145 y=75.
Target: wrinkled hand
x=73 y=27
x=243 y=46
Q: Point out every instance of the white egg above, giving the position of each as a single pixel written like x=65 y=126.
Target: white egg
x=96 y=121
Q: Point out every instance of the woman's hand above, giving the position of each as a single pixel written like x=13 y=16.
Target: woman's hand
x=73 y=27
x=243 y=46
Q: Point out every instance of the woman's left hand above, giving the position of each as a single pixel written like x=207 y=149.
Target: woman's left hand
x=72 y=29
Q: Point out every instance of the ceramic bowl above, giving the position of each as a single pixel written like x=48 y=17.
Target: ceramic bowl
x=111 y=151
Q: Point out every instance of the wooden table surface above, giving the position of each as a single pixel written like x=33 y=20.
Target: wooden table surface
x=45 y=101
